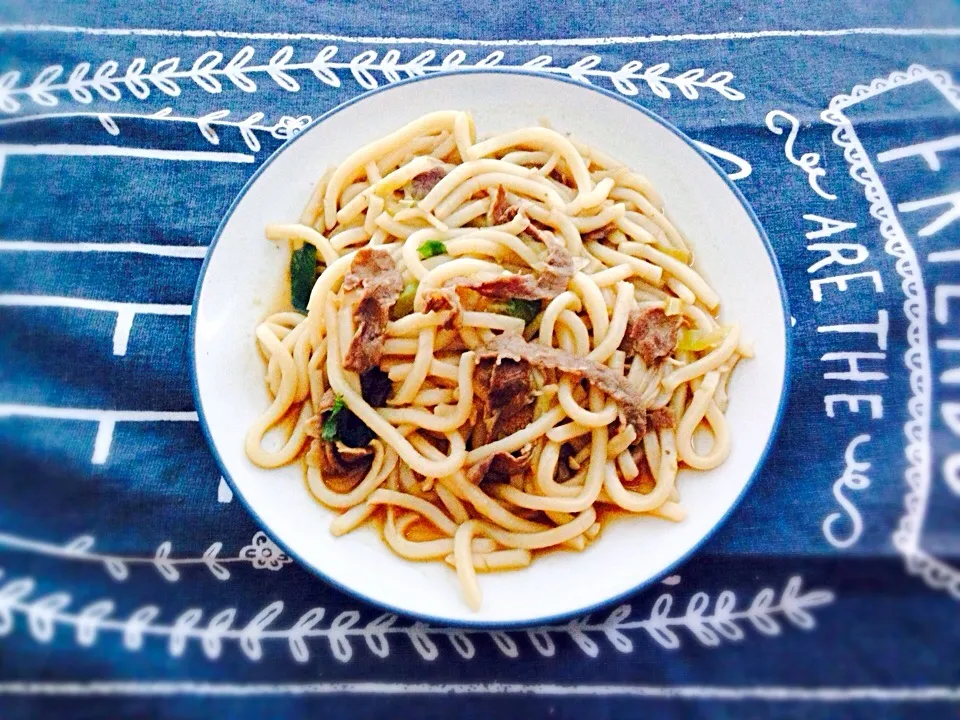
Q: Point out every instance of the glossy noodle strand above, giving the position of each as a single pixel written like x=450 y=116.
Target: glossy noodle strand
x=502 y=338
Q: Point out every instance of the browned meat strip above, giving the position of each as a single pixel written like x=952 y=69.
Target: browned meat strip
x=371 y=314
x=505 y=401
x=514 y=347
x=651 y=334
x=505 y=287
x=370 y=265
x=509 y=379
x=338 y=461
x=501 y=211
x=553 y=279
x=500 y=464
x=445 y=300
x=559 y=268
x=513 y=417
x=375 y=274
x=660 y=418
x=423 y=183
x=599 y=234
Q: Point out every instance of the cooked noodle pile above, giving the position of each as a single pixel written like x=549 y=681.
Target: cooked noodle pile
x=501 y=337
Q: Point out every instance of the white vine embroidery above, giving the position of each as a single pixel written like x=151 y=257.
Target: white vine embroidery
x=284 y=128
x=807 y=162
x=262 y=553
x=210 y=71
x=709 y=626
x=853 y=478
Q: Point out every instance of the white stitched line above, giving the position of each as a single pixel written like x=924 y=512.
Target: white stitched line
x=51 y=550
x=179 y=251
x=19 y=120
x=117 y=151
x=103 y=441
x=593 y=41
x=121 y=331
x=66 y=413
x=106 y=421
x=70 y=551
x=136 y=116
x=88 y=304
x=769 y=693
x=248 y=127
x=126 y=311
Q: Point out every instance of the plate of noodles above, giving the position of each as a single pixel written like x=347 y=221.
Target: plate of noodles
x=490 y=347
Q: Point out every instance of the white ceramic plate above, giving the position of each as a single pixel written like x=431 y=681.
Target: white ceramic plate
x=243 y=270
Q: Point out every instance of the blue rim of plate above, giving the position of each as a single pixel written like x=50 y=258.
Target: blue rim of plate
x=774 y=431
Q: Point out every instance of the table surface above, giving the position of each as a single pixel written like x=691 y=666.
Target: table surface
x=133 y=583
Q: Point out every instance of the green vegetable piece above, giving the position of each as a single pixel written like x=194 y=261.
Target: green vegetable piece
x=676 y=253
x=329 y=431
x=303 y=274
x=526 y=310
x=404 y=304
x=431 y=248
x=697 y=340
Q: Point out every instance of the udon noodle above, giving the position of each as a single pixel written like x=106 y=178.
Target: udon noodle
x=503 y=338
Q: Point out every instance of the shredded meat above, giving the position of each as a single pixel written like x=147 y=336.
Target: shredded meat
x=599 y=234
x=660 y=418
x=539 y=234
x=514 y=347
x=338 y=461
x=423 y=183
x=651 y=334
x=509 y=379
x=513 y=417
x=375 y=274
x=481 y=381
x=500 y=464
x=445 y=300
x=505 y=402
x=368 y=267
x=501 y=211
x=559 y=267
x=553 y=279
x=506 y=287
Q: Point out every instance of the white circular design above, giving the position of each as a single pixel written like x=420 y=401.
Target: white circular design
x=243 y=271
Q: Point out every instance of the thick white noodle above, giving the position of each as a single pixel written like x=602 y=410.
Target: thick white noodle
x=433 y=479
